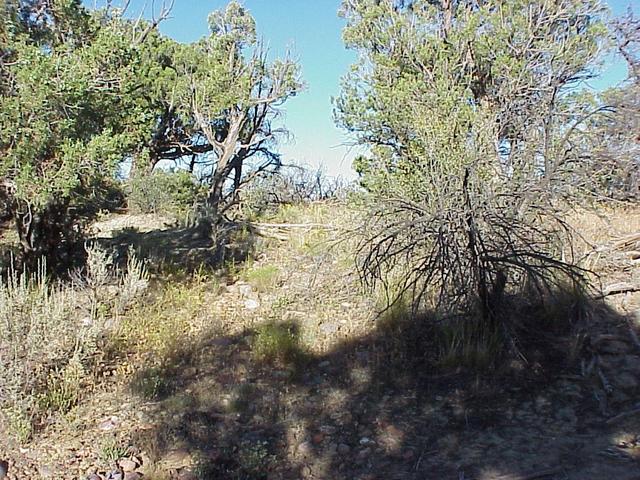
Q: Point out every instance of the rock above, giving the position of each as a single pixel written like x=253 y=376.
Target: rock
x=108 y=424
x=329 y=328
x=177 y=458
x=4 y=469
x=343 y=449
x=318 y=438
x=366 y=441
x=408 y=454
x=95 y=476
x=45 y=471
x=251 y=304
x=324 y=364
x=132 y=476
x=305 y=449
x=245 y=290
x=128 y=465
x=115 y=475
x=328 y=429
x=187 y=475
x=362 y=455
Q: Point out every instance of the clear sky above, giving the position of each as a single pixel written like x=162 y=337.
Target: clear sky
x=312 y=30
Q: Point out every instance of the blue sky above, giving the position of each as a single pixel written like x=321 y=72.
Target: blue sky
x=312 y=30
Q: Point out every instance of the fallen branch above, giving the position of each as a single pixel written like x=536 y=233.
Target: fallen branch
x=623 y=415
x=618 y=288
x=530 y=476
x=293 y=225
x=625 y=241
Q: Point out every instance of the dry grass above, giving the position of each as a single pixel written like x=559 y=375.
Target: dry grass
x=49 y=333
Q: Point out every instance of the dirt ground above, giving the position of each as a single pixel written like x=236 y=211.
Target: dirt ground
x=345 y=404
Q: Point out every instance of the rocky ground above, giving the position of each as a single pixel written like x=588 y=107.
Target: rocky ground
x=342 y=405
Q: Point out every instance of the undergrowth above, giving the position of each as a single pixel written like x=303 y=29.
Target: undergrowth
x=50 y=333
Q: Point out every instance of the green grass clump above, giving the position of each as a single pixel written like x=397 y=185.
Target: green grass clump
x=111 y=450
x=263 y=278
x=277 y=343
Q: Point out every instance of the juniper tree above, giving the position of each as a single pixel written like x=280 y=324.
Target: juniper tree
x=469 y=112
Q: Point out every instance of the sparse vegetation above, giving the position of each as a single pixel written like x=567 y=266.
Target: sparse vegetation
x=51 y=333
x=275 y=342
x=469 y=309
x=262 y=278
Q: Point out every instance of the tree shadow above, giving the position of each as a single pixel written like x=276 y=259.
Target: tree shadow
x=385 y=406
x=184 y=249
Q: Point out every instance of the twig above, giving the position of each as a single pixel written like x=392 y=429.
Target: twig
x=292 y=225
x=622 y=415
x=530 y=476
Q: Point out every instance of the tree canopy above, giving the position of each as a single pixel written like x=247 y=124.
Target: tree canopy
x=472 y=114
x=84 y=90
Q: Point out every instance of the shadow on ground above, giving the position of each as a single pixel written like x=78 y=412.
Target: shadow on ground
x=184 y=249
x=382 y=407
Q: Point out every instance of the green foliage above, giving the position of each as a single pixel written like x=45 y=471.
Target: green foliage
x=112 y=449
x=82 y=91
x=153 y=383
x=174 y=193
x=469 y=114
x=63 y=388
x=275 y=342
x=49 y=333
x=262 y=278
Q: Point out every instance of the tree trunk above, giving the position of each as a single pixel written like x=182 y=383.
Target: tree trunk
x=46 y=234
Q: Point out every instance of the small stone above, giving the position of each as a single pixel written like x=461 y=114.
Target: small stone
x=245 y=290
x=187 y=475
x=108 y=424
x=366 y=441
x=115 y=475
x=4 y=469
x=318 y=438
x=363 y=454
x=251 y=304
x=94 y=476
x=128 y=465
x=329 y=328
x=324 y=364
x=45 y=471
x=132 y=476
x=328 y=429
x=305 y=449
x=177 y=458
x=343 y=449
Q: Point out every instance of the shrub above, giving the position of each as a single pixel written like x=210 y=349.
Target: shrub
x=162 y=192
x=292 y=186
x=49 y=333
